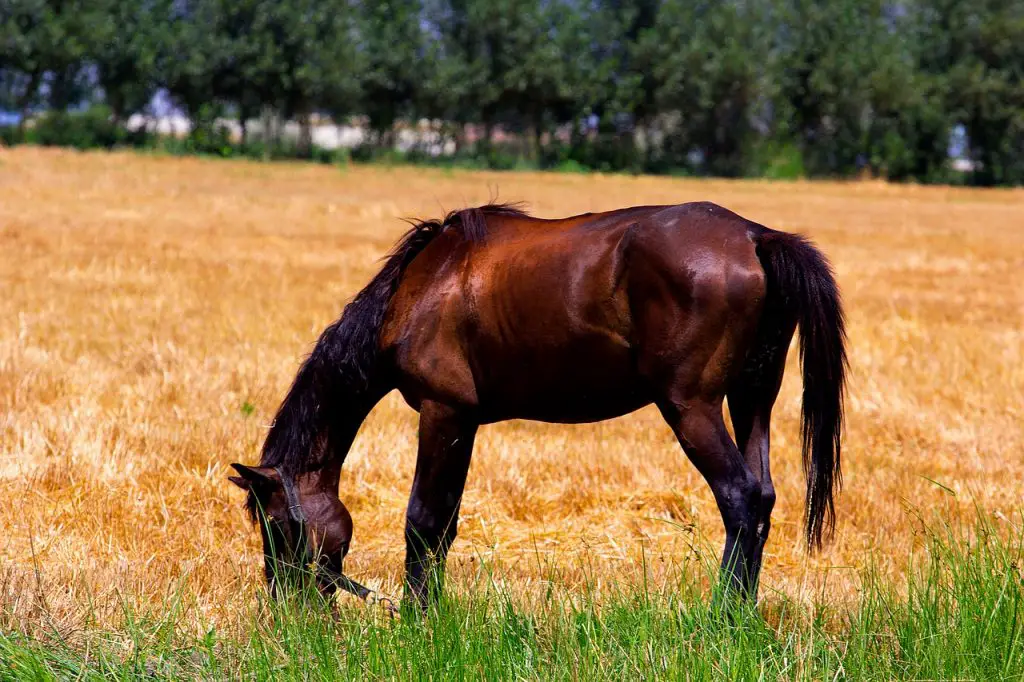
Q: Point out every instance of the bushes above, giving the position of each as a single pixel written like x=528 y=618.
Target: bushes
x=95 y=128
x=89 y=129
x=605 y=152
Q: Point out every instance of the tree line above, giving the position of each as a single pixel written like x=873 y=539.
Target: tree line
x=829 y=88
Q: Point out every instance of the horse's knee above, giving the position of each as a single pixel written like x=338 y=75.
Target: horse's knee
x=424 y=528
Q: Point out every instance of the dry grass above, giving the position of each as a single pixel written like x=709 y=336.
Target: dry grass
x=154 y=310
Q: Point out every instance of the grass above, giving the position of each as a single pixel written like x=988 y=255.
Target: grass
x=959 y=617
x=155 y=309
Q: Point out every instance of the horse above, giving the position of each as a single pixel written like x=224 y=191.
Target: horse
x=491 y=314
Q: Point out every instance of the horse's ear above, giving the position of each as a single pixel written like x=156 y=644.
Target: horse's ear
x=254 y=477
x=240 y=482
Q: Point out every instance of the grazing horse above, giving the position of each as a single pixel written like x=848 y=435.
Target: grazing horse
x=491 y=314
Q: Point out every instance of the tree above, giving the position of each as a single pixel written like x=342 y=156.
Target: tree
x=292 y=57
x=544 y=83
x=847 y=91
x=43 y=45
x=305 y=59
x=391 y=46
x=707 y=60
x=624 y=62
x=976 y=49
x=128 y=44
x=194 y=59
x=522 y=63
x=470 y=58
x=906 y=125
x=248 y=77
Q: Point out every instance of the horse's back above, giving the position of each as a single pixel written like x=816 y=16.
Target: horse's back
x=570 y=320
x=548 y=335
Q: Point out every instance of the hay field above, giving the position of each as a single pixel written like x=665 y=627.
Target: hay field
x=154 y=310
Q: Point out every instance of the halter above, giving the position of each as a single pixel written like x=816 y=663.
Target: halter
x=296 y=514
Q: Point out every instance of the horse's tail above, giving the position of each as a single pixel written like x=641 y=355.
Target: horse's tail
x=801 y=283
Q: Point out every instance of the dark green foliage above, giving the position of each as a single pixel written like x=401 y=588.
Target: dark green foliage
x=709 y=61
x=393 y=48
x=847 y=93
x=44 y=48
x=780 y=88
x=88 y=129
x=973 y=53
x=128 y=38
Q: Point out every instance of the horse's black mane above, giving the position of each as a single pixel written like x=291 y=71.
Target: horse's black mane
x=341 y=369
x=471 y=221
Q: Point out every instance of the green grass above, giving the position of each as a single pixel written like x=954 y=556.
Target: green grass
x=959 y=616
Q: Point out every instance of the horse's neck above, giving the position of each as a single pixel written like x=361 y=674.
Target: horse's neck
x=322 y=479
x=342 y=430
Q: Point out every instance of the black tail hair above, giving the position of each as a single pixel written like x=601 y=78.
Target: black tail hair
x=801 y=281
x=342 y=364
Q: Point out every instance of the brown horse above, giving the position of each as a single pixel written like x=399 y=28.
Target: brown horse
x=491 y=314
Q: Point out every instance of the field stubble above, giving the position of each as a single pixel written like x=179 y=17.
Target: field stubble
x=155 y=310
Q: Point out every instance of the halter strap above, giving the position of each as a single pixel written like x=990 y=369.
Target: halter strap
x=292 y=495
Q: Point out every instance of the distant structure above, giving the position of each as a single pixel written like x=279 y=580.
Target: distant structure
x=325 y=133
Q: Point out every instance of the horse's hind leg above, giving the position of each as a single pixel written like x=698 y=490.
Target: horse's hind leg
x=750 y=419
x=751 y=398
x=445 y=448
x=701 y=431
x=695 y=297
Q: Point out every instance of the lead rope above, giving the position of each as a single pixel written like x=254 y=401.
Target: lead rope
x=371 y=597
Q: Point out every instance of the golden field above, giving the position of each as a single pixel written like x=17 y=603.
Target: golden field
x=153 y=312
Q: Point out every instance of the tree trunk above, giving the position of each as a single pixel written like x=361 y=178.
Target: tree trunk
x=485 y=141
x=305 y=142
x=116 y=110
x=460 y=137
x=26 y=101
x=268 y=133
x=537 y=133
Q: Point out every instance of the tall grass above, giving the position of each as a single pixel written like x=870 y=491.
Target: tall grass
x=957 y=617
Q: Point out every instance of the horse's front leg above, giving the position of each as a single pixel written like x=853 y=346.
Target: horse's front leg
x=445 y=448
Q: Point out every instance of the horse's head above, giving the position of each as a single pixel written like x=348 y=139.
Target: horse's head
x=305 y=527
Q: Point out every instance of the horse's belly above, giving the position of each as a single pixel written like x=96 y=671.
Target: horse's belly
x=567 y=409
x=568 y=385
